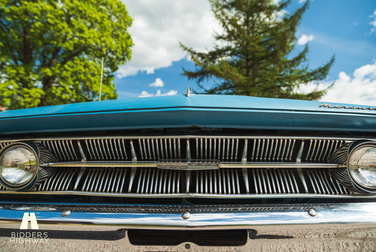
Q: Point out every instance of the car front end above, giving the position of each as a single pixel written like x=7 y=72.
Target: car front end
x=186 y=172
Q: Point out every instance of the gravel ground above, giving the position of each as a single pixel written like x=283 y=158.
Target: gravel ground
x=335 y=237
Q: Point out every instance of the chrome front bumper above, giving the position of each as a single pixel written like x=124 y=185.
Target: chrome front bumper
x=196 y=217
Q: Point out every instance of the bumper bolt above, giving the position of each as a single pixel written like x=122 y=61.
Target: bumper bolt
x=185 y=215
x=312 y=212
x=66 y=213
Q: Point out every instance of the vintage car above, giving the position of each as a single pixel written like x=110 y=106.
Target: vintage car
x=189 y=171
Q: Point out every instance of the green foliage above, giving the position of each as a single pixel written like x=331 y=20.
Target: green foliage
x=253 y=55
x=51 y=51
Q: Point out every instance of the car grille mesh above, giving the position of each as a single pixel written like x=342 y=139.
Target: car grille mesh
x=324 y=182
x=59 y=181
x=228 y=181
x=62 y=149
x=208 y=182
x=104 y=180
x=159 y=148
x=280 y=150
x=158 y=181
x=274 y=181
x=226 y=149
x=106 y=149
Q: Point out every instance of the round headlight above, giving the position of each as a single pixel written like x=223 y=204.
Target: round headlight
x=18 y=166
x=362 y=165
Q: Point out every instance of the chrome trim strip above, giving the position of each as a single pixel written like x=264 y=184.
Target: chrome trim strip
x=183 y=163
x=217 y=217
x=185 y=137
x=277 y=165
x=195 y=195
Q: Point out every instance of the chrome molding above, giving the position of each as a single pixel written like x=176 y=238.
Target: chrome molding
x=323 y=105
x=98 y=164
x=196 y=195
x=191 y=165
x=201 y=217
x=347 y=139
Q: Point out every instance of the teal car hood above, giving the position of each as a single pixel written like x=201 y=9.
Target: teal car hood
x=213 y=111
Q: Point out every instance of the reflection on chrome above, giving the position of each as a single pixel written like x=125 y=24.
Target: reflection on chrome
x=362 y=165
x=244 y=217
x=18 y=166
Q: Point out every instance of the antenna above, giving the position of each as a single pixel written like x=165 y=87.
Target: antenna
x=100 y=88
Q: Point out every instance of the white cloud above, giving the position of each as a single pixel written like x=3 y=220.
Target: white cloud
x=157 y=83
x=304 y=39
x=145 y=94
x=358 y=90
x=373 y=23
x=364 y=71
x=157 y=28
x=159 y=93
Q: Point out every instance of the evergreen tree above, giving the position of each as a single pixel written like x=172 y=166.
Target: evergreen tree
x=253 y=55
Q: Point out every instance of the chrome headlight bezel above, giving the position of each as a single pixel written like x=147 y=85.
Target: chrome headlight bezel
x=353 y=149
x=29 y=183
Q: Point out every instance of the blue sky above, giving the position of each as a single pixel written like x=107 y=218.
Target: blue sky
x=344 y=28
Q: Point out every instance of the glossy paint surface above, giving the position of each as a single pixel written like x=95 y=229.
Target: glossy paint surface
x=214 y=111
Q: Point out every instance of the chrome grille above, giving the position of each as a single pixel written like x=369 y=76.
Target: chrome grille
x=61 y=180
x=62 y=149
x=140 y=181
x=158 y=181
x=106 y=149
x=227 y=149
x=274 y=181
x=280 y=150
x=321 y=150
x=222 y=181
x=105 y=180
x=323 y=182
x=159 y=148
